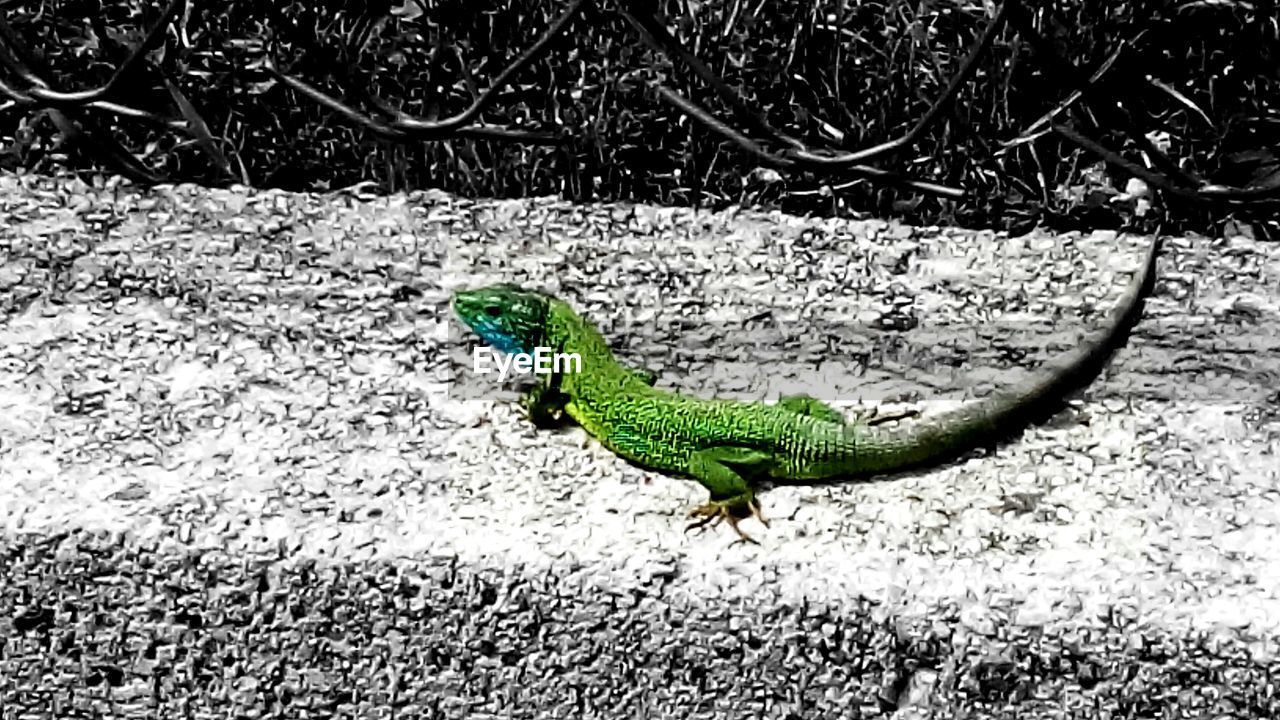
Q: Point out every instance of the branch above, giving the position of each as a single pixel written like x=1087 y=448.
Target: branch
x=401 y=129
x=1167 y=176
x=797 y=155
x=48 y=97
x=108 y=150
x=406 y=127
x=1044 y=123
x=67 y=109
x=654 y=34
x=1062 y=70
x=980 y=47
x=784 y=161
x=1267 y=191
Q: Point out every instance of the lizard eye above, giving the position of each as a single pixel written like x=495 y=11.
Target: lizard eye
x=492 y=311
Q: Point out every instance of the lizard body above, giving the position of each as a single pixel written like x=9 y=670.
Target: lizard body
x=730 y=446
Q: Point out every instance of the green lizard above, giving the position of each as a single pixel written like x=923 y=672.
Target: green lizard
x=731 y=446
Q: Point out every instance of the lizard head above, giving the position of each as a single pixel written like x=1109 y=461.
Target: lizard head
x=507 y=317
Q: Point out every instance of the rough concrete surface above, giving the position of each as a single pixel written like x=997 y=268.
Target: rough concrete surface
x=245 y=470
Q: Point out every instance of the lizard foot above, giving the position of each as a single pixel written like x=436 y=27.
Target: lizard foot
x=733 y=510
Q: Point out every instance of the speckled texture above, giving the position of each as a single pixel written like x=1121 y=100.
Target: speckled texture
x=117 y=626
x=240 y=472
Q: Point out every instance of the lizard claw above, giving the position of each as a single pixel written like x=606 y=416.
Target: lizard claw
x=711 y=513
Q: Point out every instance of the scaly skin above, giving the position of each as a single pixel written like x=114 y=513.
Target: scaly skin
x=730 y=446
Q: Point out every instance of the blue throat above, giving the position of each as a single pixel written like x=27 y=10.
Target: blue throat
x=499 y=340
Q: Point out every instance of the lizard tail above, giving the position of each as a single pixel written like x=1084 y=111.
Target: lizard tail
x=891 y=448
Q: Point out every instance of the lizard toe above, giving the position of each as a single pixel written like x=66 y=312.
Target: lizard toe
x=712 y=513
x=755 y=511
x=742 y=536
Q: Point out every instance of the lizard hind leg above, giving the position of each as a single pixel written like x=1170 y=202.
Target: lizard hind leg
x=644 y=375
x=732 y=497
x=811 y=406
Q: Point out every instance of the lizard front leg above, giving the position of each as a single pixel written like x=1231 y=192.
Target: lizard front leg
x=732 y=497
x=544 y=403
